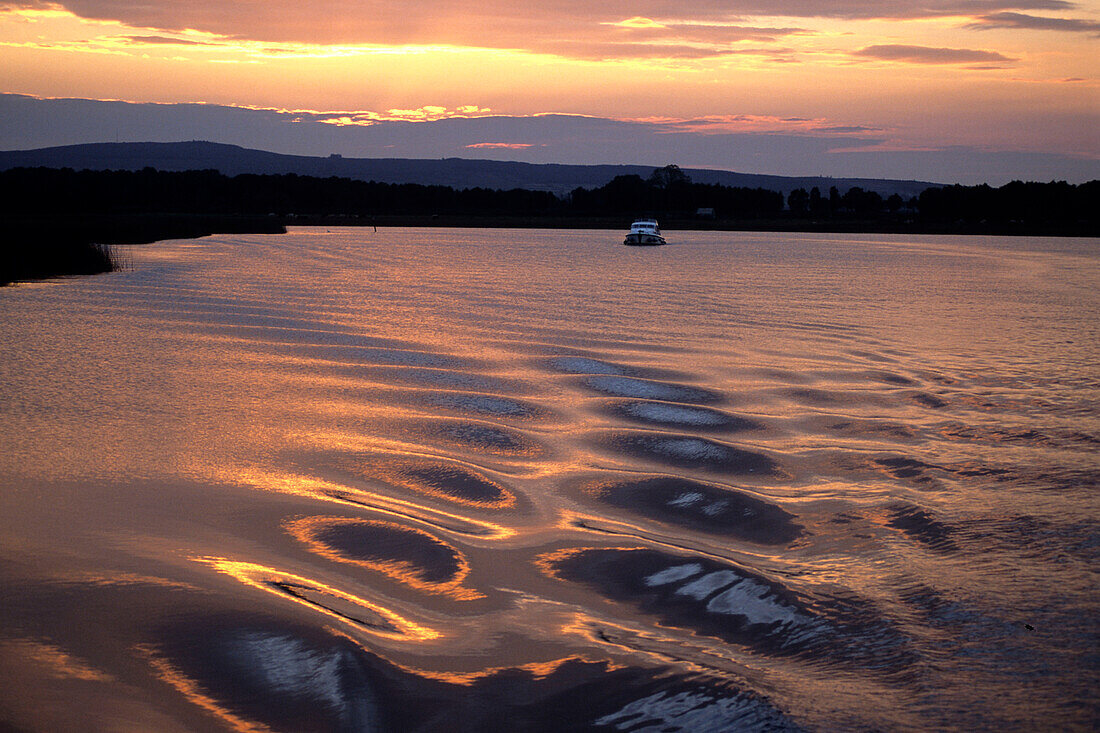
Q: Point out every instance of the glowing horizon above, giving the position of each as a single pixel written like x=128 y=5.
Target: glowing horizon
x=993 y=76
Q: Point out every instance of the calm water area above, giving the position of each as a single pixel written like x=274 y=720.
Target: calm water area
x=475 y=479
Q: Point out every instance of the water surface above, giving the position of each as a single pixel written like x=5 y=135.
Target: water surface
x=423 y=479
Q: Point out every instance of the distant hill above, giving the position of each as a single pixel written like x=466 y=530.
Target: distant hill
x=455 y=172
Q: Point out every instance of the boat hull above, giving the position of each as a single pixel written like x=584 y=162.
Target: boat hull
x=643 y=240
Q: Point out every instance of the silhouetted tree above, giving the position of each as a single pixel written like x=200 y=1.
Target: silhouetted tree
x=668 y=176
x=47 y=192
x=818 y=207
x=798 y=201
x=861 y=203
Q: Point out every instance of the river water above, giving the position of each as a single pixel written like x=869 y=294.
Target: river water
x=444 y=479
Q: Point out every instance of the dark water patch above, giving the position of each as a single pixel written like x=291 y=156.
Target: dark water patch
x=904 y=467
x=996 y=647
x=483 y=437
x=674 y=415
x=581 y=695
x=923 y=527
x=645 y=389
x=785 y=376
x=972 y=633
x=685 y=451
x=260 y=327
x=891 y=378
x=717 y=599
x=482 y=404
x=693 y=706
x=733 y=604
x=252 y=670
x=247 y=669
x=559 y=341
x=826 y=397
x=379 y=356
x=977 y=469
x=457 y=482
x=945 y=380
x=863 y=376
x=826 y=329
x=872 y=356
x=703 y=507
x=924 y=399
x=1021 y=435
x=931 y=604
x=450 y=379
x=434 y=477
x=391 y=548
x=585 y=365
x=918 y=473
x=1067 y=477
x=307 y=333
x=1081 y=437
x=867 y=428
x=1056 y=478
x=1059 y=542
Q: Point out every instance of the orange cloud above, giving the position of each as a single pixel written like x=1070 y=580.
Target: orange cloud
x=502 y=146
x=429 y=113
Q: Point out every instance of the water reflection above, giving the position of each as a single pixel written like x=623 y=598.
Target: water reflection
x=472 y=479
x=408 y=555
x=328 y=600
x=700 y=506
x=254 y=671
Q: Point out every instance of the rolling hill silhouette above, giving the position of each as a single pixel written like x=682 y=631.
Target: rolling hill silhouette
x=457 y=173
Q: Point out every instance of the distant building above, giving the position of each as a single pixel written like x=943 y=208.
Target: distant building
x=705 y=213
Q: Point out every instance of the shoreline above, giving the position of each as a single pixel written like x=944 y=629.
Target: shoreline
x=41 y=247
x=672 y=224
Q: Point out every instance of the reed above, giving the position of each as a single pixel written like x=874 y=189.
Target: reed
x=38 y=247
x=40 y=260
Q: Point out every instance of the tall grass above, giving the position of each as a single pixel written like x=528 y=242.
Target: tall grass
x=44 y=259
x=36 y=246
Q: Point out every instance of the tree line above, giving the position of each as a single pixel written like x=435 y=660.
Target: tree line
x=668 y=193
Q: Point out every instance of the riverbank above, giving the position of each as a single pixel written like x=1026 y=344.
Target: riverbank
x=39 y=247
x=899 y=225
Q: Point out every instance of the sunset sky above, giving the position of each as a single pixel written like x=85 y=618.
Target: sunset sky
x=936 y=89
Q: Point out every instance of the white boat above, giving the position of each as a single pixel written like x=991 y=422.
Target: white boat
x=644 y=232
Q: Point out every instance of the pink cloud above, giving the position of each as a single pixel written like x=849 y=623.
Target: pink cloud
x=1034 y=22
x=928 y=55
x=576 y=28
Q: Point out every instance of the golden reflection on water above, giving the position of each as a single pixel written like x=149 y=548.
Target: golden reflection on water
x=665 y=537
x=537 y=670
x=54 y=659
x=269 y=580
x=402 y=476
x=314 y=488
x=193 y=691
x=307 y=530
